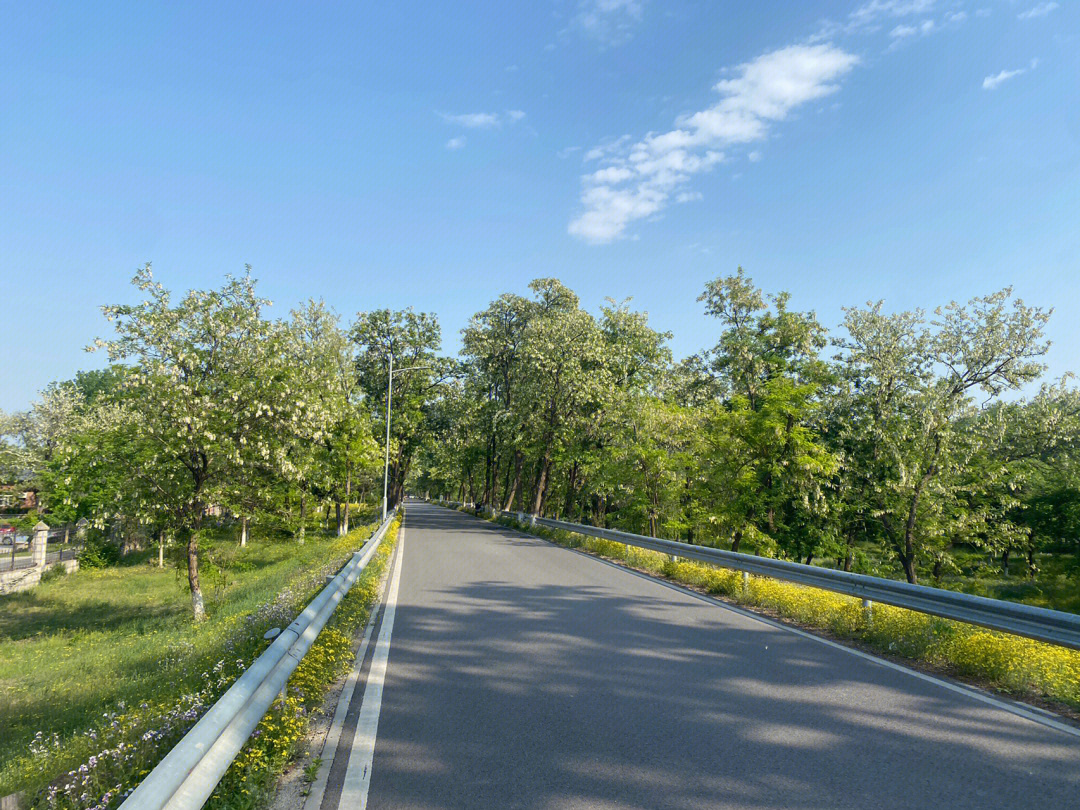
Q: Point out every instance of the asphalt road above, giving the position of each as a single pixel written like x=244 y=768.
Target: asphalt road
x=524 y=675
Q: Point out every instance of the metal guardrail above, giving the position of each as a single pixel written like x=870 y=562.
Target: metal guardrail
x=1052 y=626
x=188 y=774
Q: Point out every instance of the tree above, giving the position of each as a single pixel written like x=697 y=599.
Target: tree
x=766 y=457
x=910 y=389
x=209 y=394
x=413 y=340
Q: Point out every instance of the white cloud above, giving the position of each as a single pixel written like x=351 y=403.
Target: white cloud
x=754 y=156
x=1041 y=10
x=608 y=22
x=870 y=14
x=992 y=82
x=639 y=177
x=479 y=120
x=904 y=31
x=688 y=196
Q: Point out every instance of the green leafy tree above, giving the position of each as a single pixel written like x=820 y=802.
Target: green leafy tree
x=209 y=394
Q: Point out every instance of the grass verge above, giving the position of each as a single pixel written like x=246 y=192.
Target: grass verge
x=103 y=672
x=1020 y=667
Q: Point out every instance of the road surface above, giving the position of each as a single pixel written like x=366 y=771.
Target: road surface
x=506 y=672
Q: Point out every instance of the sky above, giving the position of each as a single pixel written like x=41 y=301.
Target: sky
x=435 y=155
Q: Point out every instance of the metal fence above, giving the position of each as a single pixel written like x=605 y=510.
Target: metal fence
x=24 y=559
x=1042 y=624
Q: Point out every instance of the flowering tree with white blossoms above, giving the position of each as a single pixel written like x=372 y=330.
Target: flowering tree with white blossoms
x=209 y=396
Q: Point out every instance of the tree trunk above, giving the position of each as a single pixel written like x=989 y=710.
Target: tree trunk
x=198 y=605
x=541 y=482
x=571 y=484
x=243 y=531
x=301 y=535
x=512 y=494
x=810 y=558
x=736 y=540
x=161 y=549
x=337 y=517
x=348 y=500
x=1005 y=562
x=907 y=560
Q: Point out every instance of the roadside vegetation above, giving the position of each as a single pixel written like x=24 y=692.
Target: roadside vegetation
x=111 y=656
x=1012 y=664
x=215 y=458
x=915 y=445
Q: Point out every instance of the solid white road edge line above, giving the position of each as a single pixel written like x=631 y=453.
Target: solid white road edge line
x=354 y=791
x=333 y=735
x=1019 y=710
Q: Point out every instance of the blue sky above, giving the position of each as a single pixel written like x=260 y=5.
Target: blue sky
x=435 y=155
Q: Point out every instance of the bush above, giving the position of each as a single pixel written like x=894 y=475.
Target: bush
x=99 y=552
x=54 y=573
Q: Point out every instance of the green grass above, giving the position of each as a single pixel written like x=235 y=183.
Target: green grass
x=75 y=648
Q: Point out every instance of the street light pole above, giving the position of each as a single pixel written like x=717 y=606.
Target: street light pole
x=386 y=466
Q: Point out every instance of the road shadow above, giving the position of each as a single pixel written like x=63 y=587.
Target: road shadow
x=562 y=682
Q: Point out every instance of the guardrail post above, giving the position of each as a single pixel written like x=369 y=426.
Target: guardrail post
x=745 y=582
x=532 y=521
x=39 y=543
x=868 y=612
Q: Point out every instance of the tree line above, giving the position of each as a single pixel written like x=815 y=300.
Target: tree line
x=212 y=412
x=907 y=433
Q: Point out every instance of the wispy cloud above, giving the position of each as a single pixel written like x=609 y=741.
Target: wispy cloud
x=903 y=33
x=1041 y=10
x=922 y=29
x=480 y=120
x=455 y=143
x=873 y=15
x=608 y=22
x=992 y=82
x=639 y=178
x=483 y=120
x=872 y=12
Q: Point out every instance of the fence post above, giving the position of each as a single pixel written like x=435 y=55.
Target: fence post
x=39 y=544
